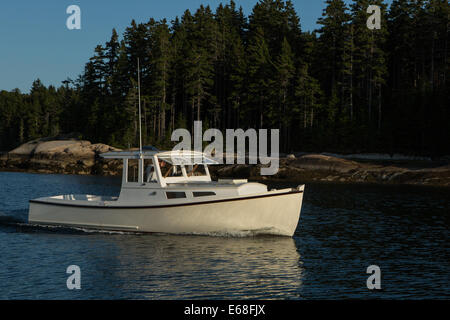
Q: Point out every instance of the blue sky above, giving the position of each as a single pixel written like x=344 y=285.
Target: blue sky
x=35 y=42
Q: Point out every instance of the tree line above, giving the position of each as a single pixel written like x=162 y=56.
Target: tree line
x=340 y=88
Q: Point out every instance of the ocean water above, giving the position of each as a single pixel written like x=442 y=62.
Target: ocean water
x=343 y=229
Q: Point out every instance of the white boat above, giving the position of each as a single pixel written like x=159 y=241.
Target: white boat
x=172 y=192
x=165 y=192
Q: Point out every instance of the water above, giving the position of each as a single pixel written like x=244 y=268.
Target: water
x=343 y=229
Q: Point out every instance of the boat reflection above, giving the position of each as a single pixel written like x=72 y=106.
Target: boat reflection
x=200 y=267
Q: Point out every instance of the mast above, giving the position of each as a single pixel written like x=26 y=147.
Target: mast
x=141 y=157
x=139 y=98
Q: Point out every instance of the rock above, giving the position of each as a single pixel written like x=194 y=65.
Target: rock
x=290 y=157
x=325 y=163
x=25 y=149
x=395 y=175
x=62 y=156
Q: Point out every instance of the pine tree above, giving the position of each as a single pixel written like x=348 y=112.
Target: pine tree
x=160 y=65
x=332 y=65
x=284 y=73
x=369 y=58
x=260 y=82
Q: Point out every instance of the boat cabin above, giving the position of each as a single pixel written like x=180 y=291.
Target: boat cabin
x=162 y=168
x=179 y=175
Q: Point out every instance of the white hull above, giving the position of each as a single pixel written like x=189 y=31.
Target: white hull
x=269 y=213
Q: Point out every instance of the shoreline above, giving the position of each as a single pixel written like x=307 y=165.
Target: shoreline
x=320 y=168
x=83 y=158
x=373 y=174
x=319 y=178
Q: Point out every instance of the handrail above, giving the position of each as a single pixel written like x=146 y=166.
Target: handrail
x=168 y=171
x=193 y=170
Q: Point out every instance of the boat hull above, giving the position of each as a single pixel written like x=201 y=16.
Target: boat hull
x=265 y=214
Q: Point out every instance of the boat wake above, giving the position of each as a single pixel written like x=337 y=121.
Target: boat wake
x=12 y=219
x=239 y=233
x=71 y=229
x=16 y=221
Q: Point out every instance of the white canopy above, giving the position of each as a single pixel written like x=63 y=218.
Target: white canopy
x=174 y=157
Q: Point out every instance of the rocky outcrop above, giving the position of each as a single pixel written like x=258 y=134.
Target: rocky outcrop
x=323 y=168
x=73 y=156
x=70 y=156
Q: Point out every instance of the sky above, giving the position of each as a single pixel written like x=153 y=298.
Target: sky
x=36 y=43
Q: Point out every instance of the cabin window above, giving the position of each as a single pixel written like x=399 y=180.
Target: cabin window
x=176 y=172
x=196 y=170
x=133 y=168
x=203 y=193
x=175 y=195
x=169 y=170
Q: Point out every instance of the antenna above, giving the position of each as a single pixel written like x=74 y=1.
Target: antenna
x=139 y=97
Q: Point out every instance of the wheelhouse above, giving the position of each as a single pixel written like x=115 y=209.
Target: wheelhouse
x=153 y=168
x=175 y=176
